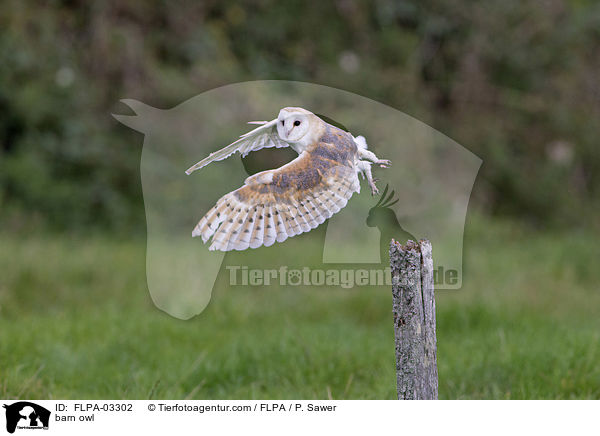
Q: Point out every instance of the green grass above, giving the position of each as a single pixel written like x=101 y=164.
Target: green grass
x=76 y=321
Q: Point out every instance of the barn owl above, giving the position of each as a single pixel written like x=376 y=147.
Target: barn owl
x=276 y=204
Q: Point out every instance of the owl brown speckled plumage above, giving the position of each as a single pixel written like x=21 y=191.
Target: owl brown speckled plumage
x=277 y=204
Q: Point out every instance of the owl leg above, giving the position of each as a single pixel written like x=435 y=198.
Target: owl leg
x=369 y=155
x=365 y=168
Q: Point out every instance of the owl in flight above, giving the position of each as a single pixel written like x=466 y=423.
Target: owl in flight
x=274 y=205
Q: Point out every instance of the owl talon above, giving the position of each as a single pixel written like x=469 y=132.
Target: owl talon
x=384 y=163
x=374 y=190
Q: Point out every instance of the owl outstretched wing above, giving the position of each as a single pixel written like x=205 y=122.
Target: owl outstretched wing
x=263 y=136
x=277 y=204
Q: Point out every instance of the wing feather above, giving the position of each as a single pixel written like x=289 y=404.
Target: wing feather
x=315 y=211
x=246 y=230
x=292 y=226
x=282 y=233
x=264 y=136
x=270 y=229
x=259 y=231
x=235 y=242
x=225 y=232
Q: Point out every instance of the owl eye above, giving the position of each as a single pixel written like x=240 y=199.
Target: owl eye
x=282 y=122
x=296 y=123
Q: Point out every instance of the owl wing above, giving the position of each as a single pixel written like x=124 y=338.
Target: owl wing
x=263 y=136
x=277 y=204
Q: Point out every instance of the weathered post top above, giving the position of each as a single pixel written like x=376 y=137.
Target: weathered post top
x=414 y=320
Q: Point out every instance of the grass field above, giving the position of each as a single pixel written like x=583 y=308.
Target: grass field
x=76 y=321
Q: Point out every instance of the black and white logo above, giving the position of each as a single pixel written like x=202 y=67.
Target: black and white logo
x=26 y=415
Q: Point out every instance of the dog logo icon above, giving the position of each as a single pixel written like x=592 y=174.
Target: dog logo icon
x=26 y=415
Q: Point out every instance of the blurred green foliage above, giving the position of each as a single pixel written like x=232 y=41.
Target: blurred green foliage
x=515 y=82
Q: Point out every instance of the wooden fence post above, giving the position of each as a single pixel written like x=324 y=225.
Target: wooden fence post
x=414 y=320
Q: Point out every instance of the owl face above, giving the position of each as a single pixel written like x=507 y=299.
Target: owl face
x=293 y=124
